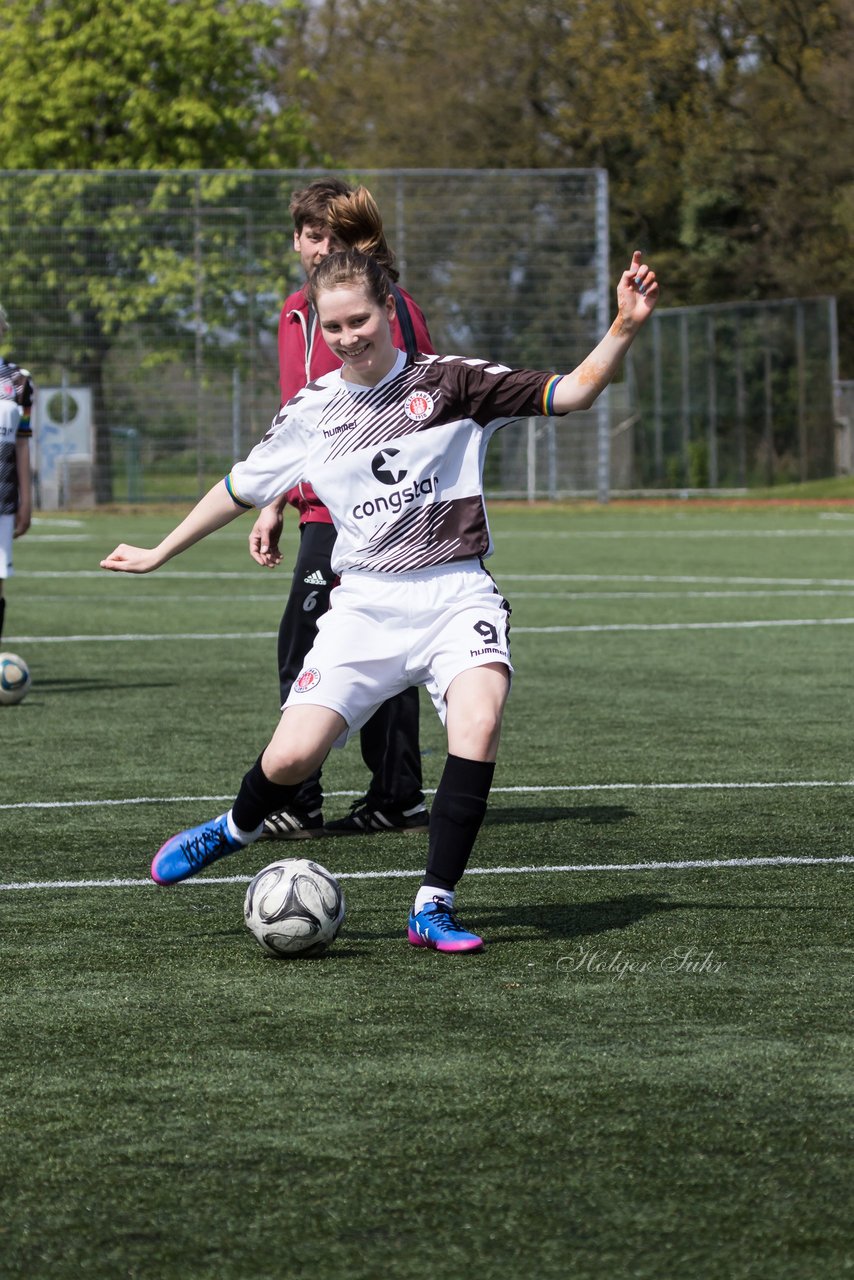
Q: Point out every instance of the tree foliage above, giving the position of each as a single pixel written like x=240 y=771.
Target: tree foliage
x=724 y=125
x=93 y=85
x=173 y=268
x=101 y=84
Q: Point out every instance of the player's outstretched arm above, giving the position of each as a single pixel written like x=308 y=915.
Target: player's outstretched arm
x=637 y=294
x=212 y=512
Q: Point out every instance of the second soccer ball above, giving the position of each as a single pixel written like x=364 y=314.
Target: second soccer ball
x=14 y=679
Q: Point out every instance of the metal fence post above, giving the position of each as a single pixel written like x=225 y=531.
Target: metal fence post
x=603 y=405
x=197 y=323
x=800 y=360
x=712 y=401
x=740 y=403
x=685 y=397
x=531 y=458
x=235 y=413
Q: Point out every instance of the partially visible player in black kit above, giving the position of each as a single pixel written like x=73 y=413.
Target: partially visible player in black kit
x=395 y=446
x=16 y=399
x=328 y=214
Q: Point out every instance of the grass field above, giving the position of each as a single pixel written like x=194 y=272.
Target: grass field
x=648 y=1071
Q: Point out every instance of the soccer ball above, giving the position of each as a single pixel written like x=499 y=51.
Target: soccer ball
x=294 y=907
x=14 y=679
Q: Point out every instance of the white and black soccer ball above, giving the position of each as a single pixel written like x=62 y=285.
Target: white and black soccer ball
x=294 y=907
x=15 y=679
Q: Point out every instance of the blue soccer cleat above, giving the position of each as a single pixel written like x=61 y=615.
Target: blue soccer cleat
x=191 y=851
x=437 y=927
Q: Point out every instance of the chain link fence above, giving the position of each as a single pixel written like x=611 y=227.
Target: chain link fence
x=146 y=306
x=734 y=395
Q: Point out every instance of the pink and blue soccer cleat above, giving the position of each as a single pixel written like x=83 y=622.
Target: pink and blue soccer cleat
x=437 y=927
x=191 y=851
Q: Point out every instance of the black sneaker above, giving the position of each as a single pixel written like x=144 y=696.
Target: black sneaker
x=364 y=819
x=293 y=824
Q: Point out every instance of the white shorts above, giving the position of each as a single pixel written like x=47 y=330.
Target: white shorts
x=7 y=534
x=384 y=632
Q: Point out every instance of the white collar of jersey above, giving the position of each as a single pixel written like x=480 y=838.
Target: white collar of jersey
x=395 y=369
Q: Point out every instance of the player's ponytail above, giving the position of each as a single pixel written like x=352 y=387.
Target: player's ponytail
x=356 y=222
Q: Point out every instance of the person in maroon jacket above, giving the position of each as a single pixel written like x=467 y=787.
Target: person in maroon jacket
x=328 y=214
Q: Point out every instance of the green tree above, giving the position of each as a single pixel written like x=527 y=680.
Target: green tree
x=171 y=269
x=424 y=83
x=93 y=85
x=724 y=125
x=100 y=84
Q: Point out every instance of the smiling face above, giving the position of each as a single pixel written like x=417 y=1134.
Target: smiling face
x=357 y=330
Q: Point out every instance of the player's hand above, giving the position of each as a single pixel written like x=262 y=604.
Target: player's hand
x=22 y=381
x=22 y=523
x=264 y=537
x=127 y=559
x=24 y=388
x=637 y=292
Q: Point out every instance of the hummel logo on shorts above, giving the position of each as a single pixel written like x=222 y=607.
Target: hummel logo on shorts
x=315 y=579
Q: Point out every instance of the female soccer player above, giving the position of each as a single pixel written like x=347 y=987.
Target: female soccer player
x=394 y=446
x=329 y=215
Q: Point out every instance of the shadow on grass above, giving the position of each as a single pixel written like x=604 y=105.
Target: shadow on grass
x=575 y=919
x=593 y=815
x=547 y=920
x=525 y=922
x=85 y=684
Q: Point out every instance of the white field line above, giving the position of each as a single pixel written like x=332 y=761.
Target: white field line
x=222 y=574
x=693 y=864
x=267 y=597
x=815 y=587
x=563 y=534
x=103 y=575
x=242 y=636
x=751 y=625
x=668 y=578
x=815 y=593
x=97 y=535
x=133 y=638
x=60 y=522
x=569 y=788
x=616 y=534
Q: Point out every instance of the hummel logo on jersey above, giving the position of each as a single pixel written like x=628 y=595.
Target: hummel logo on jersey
x=315 y=579
x=336 y=431
x=384 y=473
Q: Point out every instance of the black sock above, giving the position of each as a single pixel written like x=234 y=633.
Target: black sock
x=455 y=816
x=258 y=796
x=2 y=611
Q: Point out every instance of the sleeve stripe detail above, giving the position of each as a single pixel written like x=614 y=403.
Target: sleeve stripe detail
x=549 y=393
x=247 y=506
